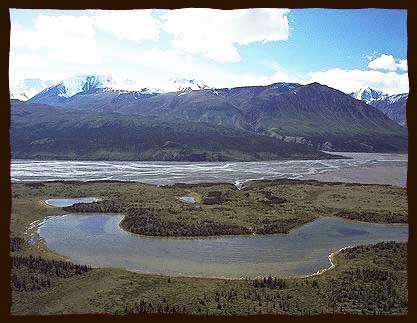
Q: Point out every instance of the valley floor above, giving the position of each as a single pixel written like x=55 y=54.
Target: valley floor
x=365 y=279
x=380 y=174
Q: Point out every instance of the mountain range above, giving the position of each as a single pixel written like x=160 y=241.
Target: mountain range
x=393 y=106
x=45 y=132
x=99 y=90
x=313 y=116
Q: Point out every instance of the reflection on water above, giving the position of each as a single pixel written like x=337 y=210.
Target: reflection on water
x=69 y=202
x=97 y=240
x=187 y=199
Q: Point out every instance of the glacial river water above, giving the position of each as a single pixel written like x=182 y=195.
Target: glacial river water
x=378 y=168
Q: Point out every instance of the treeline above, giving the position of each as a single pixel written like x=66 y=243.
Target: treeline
x=147 y=221
x=144 y=221
x=391 y=254
x=35 y=273
x=57 y=268
x=384 y=217
x=368 y=291
x=224 y=301
x=284 y=225
x=99 y=207
x=274 y=283
x=16 y=244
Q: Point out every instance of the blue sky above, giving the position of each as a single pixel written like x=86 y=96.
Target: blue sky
x=345 y=49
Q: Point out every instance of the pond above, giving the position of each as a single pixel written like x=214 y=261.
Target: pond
x=69 y=202
x=187 y=199
x=98 y=240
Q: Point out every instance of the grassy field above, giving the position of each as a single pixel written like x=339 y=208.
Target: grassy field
x=260 y=207
x=366 y=279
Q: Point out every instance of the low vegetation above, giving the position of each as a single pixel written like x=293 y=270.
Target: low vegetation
x=261 y=207
x=366 y=280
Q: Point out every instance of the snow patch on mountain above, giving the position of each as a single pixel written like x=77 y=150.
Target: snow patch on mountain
x=397 y=97
x=185 y=86
x=368 y=95
x=85 y=83
x=284 y=86
x=25 y=89
x=90 y=84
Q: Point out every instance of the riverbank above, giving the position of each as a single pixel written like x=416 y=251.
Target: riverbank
x=395 y=174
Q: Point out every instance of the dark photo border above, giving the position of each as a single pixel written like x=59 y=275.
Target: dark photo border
x=5 y=195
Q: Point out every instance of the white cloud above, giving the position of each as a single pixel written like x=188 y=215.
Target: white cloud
x=402 y=65
x=387 y=63
x=135 y=25
x=65 y=38
x=353 y=80
x=215 y=33
x=72 y=39
x=371 y=56
x=154 y=68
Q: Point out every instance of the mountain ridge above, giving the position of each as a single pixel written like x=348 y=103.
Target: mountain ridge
x=313 y=114
x=393 y=106
x=45 y=132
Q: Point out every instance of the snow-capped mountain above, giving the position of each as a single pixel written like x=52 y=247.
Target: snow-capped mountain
x=65 y=90
x=77 y=84
x=368 y=95
x=59 y=93
x=396 y=98
x=394 y=107
x=25 y=89
x=185 y=86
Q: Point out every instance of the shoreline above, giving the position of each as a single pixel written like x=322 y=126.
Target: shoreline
x=40 y=245
x=332 y=263
x=331 y=257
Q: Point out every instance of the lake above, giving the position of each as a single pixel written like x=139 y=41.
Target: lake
x=97 y=240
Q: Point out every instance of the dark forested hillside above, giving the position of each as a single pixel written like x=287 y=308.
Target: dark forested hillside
x=46 y=132
x=312 y=114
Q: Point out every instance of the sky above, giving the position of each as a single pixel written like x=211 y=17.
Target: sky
x=344 y=49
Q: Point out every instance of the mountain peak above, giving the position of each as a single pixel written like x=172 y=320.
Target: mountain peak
x=368 y=95
x=186 y=86
x=84 y=83
x=25 y=89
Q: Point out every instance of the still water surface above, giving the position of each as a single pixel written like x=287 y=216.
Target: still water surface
x=69 y=202
x=97 y=240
